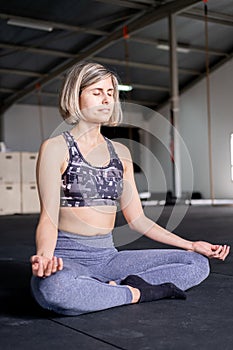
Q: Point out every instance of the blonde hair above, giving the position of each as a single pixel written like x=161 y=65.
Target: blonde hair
x=78 y=78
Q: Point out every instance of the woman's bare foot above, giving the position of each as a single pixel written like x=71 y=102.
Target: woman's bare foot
x=112 y=283
x=135 y=292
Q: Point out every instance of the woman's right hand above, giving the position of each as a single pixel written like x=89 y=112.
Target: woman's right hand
x=44 y=267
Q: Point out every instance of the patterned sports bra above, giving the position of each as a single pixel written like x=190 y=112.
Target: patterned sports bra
x=84 y=185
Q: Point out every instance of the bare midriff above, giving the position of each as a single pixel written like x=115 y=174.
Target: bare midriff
x=87 y=221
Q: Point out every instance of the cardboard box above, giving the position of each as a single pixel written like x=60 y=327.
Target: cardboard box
x=10 y=199
x=10 y=171
x=30 y=199
x=28 y=167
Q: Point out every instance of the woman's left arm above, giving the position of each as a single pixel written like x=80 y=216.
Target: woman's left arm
x=134 y=215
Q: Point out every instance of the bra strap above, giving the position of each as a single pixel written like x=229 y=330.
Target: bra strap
x=68 y=138
x=111 y=149
x=69 y=141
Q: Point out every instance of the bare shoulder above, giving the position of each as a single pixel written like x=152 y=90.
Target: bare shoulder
x=55 y=144
x=54 y=150
x=122 y=151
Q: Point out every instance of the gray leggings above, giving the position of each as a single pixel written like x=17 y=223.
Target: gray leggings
x=91 y=262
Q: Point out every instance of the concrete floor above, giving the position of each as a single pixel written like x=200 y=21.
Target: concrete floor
x=203 y=321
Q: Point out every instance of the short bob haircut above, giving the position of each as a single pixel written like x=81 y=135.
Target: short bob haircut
x=77 y=79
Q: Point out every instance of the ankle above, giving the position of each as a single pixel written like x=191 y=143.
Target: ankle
x=135 y=294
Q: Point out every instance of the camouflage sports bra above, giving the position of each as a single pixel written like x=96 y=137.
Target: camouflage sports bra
x=84 y=185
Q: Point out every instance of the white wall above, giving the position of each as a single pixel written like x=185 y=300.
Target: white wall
x=222 y=112
x=154 y=156
x=25 y=127
x=193 y=127
x=21 y=127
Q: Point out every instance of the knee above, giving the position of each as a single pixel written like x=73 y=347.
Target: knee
x=60 y=293
x=51 y=292
x=202 y=266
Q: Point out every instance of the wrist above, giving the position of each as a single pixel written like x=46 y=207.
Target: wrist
x=190 y=246
x=44 y=254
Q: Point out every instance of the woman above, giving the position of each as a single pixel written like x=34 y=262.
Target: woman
x=81 y=177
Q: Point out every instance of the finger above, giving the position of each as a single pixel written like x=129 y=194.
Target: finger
x=40 y=272
x=35 y=267
x=35 y=262
x=215 y=246
x=48 y=269
x=60 y=264
x=225 y=252
x=216 y=254
x=218 y=250
x=33 y=258
x=54 y=264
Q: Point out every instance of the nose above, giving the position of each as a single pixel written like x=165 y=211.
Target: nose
x=106 y=99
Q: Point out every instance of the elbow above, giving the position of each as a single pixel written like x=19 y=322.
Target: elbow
x=132 y=225
x=140 y=224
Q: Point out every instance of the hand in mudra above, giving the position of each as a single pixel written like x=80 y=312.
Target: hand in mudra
x=44 y=267
x=211 y=250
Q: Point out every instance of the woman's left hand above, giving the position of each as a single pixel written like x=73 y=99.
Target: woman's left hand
x=211 y=250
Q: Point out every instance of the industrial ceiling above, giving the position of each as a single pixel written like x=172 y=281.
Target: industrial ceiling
x=40 y=40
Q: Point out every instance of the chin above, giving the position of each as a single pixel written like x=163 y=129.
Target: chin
x=104 y=119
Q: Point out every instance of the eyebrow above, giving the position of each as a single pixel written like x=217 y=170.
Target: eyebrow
x=110 y=89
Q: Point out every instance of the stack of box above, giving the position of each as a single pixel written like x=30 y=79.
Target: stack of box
x=10 y=183
x=29 y=193
x=18 y=189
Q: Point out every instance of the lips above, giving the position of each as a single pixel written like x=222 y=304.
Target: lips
x=104 y=110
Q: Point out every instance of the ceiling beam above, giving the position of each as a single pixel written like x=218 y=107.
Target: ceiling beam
x=148 y=66
x=158 y=13
x=134 y=85
x=55 y=25
x=214 y=17
x=149 y=87
x=46 y=93
x=201 y=77
x=192 y=48
x=21 y=72
x=141 y=5
x=125 y=3
x=138 y=23
x=152 y=67
x=7 y=90
x=36 y=50
x=141 y=40
x=55 y=95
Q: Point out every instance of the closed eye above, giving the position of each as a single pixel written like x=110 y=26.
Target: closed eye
x=97 y=92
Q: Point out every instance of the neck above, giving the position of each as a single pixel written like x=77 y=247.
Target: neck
x=87 y=132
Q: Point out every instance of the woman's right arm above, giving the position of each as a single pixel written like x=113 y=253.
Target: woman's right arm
x=51 y=157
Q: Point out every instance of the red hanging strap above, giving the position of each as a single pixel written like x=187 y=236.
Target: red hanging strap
x=37 y=86
x=205 y=7
x=125 y=32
